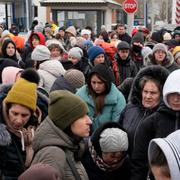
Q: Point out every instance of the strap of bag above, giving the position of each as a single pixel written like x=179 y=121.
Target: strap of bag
x=73 y=168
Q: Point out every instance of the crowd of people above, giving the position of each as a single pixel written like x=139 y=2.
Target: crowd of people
x=79 y=106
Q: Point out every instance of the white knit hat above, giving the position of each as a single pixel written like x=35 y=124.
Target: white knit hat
x=113 y=140
x=76 y=52
x=40 y=53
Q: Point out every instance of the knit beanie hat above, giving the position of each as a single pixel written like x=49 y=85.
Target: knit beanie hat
x=123 y=45
x=113 y=140
x=171 y=149
x=160 y=46
x=94 y=51
x=80 y=42
x=40 y=53
x=138 y=37
x=39 y=28
x=65 y=108
x=76 y=52
x=145 y=51
x=23 y=92
x=176 y=50
x=40 y=172
x=75 y=78
x=72 y=30
x=85 y=31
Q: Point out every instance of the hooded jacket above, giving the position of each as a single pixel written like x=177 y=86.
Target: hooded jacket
x=12 y=157
x=160 y=124
x=171 y=150
x=54 y=149
x=169 y=65
x=48 y=72
x=134 y=113
x=26 y=55
x=92 y=169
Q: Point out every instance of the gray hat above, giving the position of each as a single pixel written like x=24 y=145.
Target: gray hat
x=145 y=51
x=76 y=52
x=40 y=53
x=123 y=45
x=113 y=140
x=75 y=78
x=160 y=46
x=170 y=147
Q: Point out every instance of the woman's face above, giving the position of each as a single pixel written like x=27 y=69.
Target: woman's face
x=97 y=84
x=10 y=49
x=35 y=41
x=111 y=158
x=99 y=59
x=18 y=116
x=81 y=127
x=55 y=52
x=159 y=56
x=173 y=100
x=150 y=95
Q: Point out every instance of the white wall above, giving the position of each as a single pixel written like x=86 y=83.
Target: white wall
x=41 y=12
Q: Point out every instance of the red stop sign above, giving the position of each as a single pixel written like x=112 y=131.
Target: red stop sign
x=130 y=6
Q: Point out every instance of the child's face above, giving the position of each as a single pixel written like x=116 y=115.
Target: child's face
x=160 y=173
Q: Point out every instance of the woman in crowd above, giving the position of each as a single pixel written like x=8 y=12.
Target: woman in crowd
x=106 y=154
x=58 y=140
x=160 y=124
x=104 y=100
x=161 y=56
x=9 y=50
x=145 y=97
x=17 y=125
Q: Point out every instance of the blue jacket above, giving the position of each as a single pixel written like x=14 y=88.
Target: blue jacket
x=113 y=105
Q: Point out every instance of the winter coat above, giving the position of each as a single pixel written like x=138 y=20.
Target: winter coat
x=49 y=71
x=92 y=169
x=52 y=146
x=113 y=105
x=12 y=157
x=26 y=61
x=125 y=37
x=170 y=65
x=134 y=113
x=61 y=84
x=127 y=68
x=160 y=124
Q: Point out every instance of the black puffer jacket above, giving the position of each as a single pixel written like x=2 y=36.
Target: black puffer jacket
x=158 y=125
x=134 y=113
x=12 y=157
x=127 y=68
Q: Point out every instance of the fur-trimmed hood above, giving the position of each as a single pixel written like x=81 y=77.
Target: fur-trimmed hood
x=148 y=60
x=155 y=71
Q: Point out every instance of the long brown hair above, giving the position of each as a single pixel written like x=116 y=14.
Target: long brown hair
x=98 y=99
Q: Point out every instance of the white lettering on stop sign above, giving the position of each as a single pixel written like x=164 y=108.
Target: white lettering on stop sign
x=130 y=6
